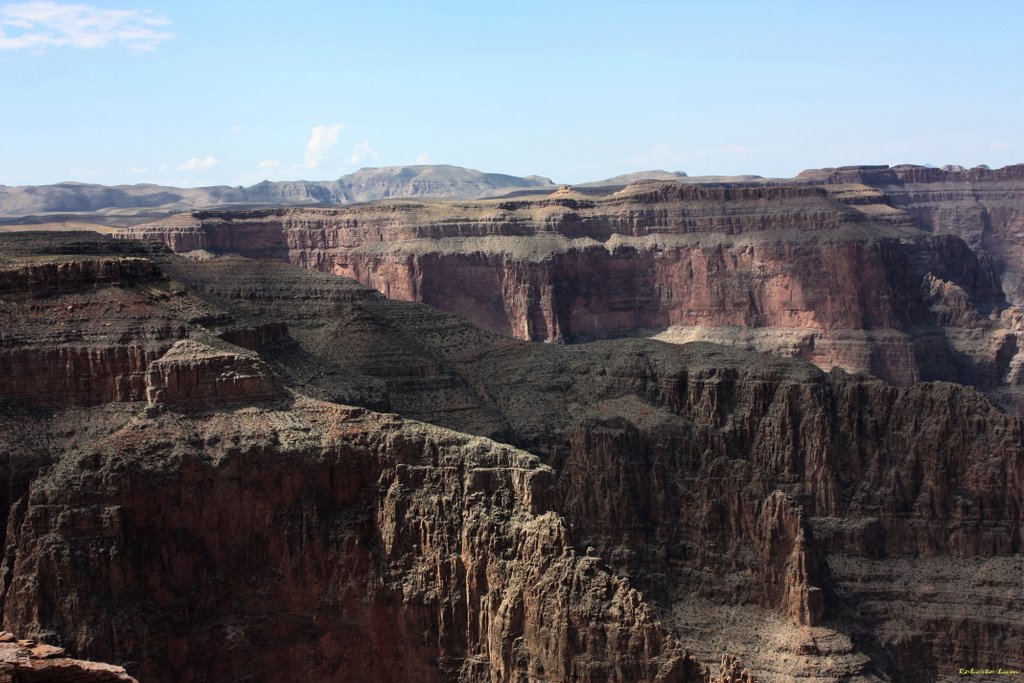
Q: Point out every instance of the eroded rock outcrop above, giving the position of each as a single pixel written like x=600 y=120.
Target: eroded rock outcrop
x=711 y=476
x=80 y=330
x=361 y=546
x=197 y=376
x=31 y=661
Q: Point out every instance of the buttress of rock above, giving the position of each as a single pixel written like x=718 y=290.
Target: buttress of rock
x=789 y=563
x=193 y=375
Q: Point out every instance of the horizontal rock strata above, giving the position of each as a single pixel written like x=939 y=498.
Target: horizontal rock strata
x=764 y=508
x=833 y=274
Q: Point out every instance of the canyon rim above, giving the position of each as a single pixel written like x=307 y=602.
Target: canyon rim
x=678 y=429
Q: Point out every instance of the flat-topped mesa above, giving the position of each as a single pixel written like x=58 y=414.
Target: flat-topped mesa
x=255 y=233
x=641 y=209
x=40 y=264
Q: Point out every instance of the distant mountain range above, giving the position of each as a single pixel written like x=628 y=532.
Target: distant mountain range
x=128 y=203
x=452 y=182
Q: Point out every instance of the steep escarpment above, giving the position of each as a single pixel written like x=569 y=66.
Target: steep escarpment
x=983 y=206
x=362 y=547
x=83 y=330
x=704 y=490
x=230 y=528
x=712 y=477
x=834 y=275
x=763 y=508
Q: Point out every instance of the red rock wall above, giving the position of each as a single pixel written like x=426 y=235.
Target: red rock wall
x=390 y=552
x=655 y=256
x=75 y=275
x=68 y=375
x=172 y=540
x=984 y=207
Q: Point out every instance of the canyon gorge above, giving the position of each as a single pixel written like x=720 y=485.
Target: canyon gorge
x=851 y=272
x=537 y=342
x=668 y=429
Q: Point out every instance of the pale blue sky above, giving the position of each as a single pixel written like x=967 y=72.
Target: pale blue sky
x=234 y=92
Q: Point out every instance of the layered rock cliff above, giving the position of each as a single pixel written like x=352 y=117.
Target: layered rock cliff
x=983 y=206
x=834 y=275
x=762 y=507
x=358 y=546
x=703 y=473
x=227 y=528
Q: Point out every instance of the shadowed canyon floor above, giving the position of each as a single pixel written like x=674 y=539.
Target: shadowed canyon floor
x=225 y=469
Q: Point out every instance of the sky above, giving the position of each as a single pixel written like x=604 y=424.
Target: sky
x=231 y=92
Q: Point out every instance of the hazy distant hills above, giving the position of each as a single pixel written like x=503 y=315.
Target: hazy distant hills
x=40 y=202
x=127 y=204
x=627 y=178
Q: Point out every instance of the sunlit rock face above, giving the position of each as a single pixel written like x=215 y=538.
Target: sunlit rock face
x=834 y=274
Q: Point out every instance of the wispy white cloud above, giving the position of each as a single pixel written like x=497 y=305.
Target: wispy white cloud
x=664 y=152
x=321 y=140
x=659 y=155
x=269 y=163
x=38 y=25
x=423 y=158
x=363 y=152
x=198 y=164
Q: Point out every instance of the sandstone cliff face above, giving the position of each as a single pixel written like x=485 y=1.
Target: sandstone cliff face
x=81 y=332
x=362 y=547
x=834 y=275
x=985 y=207
x=199 y=538
x=766 y=480
x=764 y=508
x=710 y=476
